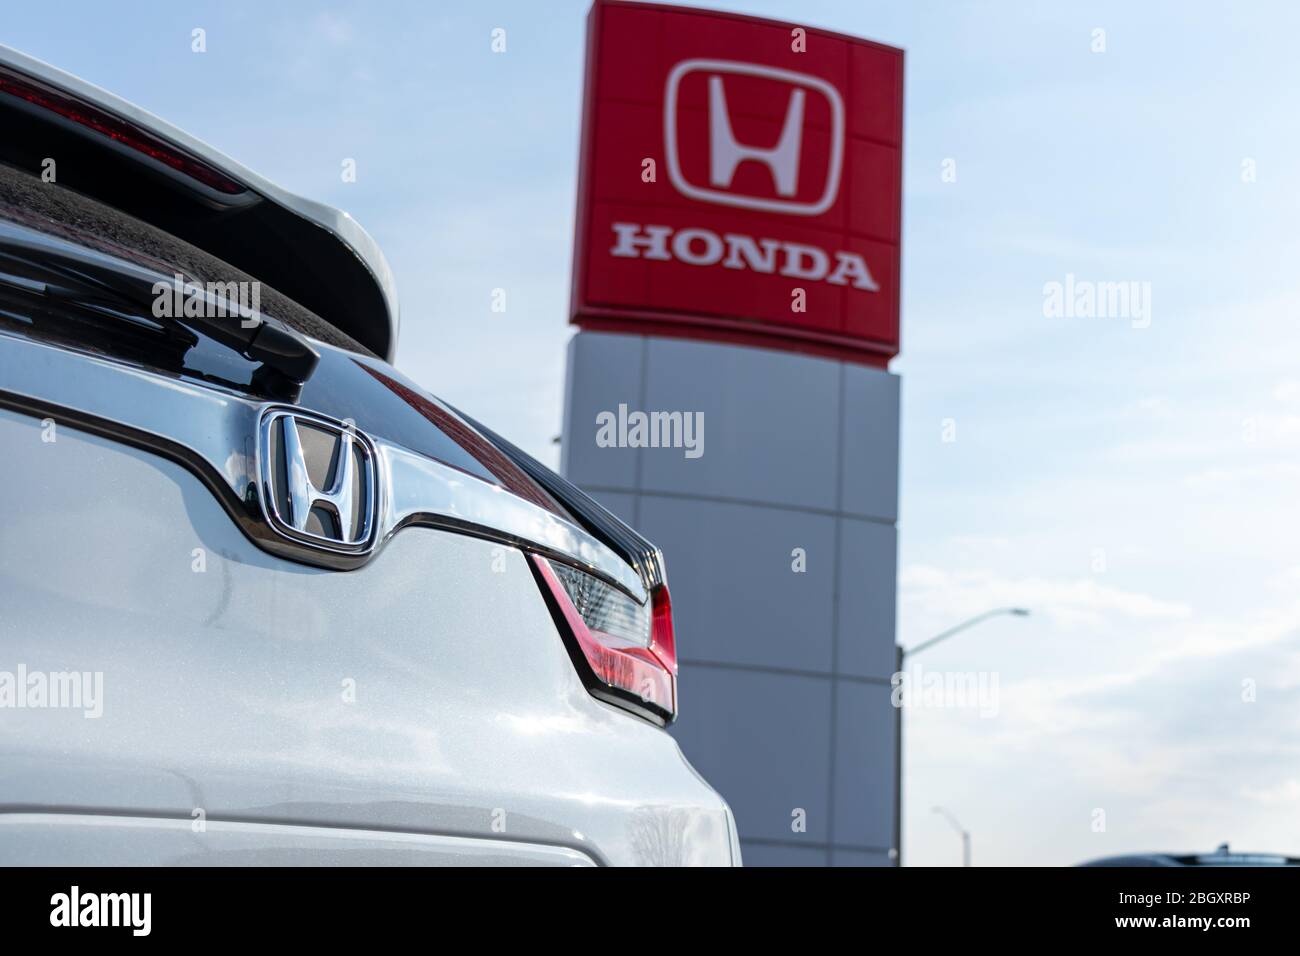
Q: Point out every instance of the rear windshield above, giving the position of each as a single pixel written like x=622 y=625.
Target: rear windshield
x=51 y=208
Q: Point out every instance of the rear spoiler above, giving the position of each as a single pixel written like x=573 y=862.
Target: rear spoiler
x=124 y=156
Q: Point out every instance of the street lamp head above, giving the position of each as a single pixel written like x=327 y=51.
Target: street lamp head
x=956 y=825
x=1015 y=611
x=948 y=815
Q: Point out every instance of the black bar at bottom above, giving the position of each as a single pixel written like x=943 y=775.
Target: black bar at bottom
x=335 y=905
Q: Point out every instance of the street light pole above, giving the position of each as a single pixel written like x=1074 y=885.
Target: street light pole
x=965 y=834
x=900 y=656
x=944 y=635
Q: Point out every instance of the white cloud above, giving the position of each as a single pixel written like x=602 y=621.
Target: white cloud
x=1285 y=793
x=1188 y=738
x=1069 y=601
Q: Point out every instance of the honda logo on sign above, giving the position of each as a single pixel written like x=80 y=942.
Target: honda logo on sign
x=727 y=152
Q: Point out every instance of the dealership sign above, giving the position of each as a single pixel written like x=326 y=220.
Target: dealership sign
x=740 y=180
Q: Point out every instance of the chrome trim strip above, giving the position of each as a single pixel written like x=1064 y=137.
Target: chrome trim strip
x=420 y=490
x=215 y=434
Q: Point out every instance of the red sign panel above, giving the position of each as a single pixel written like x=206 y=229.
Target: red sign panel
x=740 y=180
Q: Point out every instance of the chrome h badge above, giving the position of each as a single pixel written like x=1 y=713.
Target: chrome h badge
x=319 y=480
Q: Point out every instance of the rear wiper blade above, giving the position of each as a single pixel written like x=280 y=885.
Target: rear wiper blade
x=101 y=301
x=287 y=358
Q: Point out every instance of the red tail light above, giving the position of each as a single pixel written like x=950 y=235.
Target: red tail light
x=626 y=653
x=120 y=131
x=662 y=640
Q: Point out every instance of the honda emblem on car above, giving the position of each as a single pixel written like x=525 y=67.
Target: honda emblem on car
x=319 y=480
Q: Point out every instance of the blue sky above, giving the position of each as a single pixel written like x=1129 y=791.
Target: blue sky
x=1169 y=454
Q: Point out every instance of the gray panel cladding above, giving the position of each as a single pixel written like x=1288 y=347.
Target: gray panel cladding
x=779 y=429
x=770 y=423
x=735 y=598
x=604 y=371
